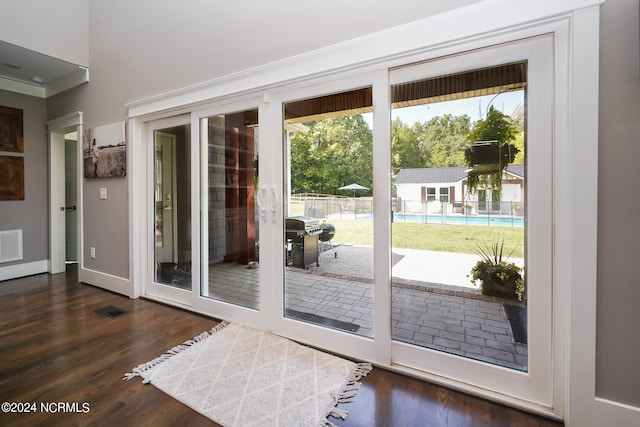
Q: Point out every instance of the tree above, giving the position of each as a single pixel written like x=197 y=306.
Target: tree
x=408 y=149
x=490 y=152
x=438 y=143
x=447 y=138
x=519 y=143
x=332 y=153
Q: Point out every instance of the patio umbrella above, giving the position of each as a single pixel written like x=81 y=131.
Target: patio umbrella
x=353 y=187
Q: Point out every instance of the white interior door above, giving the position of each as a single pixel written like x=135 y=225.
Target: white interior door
x=57 y=205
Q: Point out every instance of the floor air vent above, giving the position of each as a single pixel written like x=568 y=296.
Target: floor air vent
x=111 y=311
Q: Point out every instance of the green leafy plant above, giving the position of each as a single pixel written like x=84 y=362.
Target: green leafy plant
x=490 y=152
x=495 y=275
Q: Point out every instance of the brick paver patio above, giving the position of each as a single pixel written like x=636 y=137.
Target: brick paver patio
x=440 y=316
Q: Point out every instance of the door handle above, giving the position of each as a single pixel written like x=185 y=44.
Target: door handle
x=274 y=207
x=261 y=206
x=71 y=208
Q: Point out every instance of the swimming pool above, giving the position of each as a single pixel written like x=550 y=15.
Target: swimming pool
x=506 y=221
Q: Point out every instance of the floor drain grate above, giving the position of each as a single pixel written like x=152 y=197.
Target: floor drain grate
x=111 y=311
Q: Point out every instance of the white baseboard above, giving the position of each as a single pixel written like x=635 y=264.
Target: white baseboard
x=106 y=281
x=24 y=269
x=609 y=412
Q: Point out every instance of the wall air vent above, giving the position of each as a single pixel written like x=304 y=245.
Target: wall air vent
x=10 y=245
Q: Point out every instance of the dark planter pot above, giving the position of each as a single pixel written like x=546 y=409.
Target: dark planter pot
x=499 y=289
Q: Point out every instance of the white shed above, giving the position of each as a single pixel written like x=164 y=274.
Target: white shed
x=434 y=190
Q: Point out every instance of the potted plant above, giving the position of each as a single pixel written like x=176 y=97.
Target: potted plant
x=496 y=275
x=491 y=152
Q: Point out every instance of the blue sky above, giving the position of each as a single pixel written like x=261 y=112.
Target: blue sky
x=473 y=107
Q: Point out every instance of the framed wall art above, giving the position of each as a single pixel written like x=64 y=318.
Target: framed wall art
x=11 y=130
x=105 y=151
x=11 y=178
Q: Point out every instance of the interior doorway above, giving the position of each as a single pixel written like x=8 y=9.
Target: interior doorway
x=71 y=196
x=65 y=207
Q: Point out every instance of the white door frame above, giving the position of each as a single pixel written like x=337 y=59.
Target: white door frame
x=57 y=212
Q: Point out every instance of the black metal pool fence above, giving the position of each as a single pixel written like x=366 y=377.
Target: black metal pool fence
x=467 y=212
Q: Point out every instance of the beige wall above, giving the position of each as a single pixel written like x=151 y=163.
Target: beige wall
x=618 y=311
x=58 y=28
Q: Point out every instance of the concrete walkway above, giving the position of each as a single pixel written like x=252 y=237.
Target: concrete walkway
x=442 y=268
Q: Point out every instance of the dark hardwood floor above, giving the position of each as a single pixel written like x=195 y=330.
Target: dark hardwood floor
x=55 y=348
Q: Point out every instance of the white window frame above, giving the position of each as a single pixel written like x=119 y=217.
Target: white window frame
x=431 y=196
x=444 y=194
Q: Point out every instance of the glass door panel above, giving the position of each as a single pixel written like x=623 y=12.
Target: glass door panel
x=462 y=136
x=328 y=211
x=230 y=222
x=172 y=207
x=495 y=156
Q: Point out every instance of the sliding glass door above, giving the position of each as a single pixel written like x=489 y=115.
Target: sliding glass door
x=230 y=247
x=328 y=211
x=460 y=212
x=468 y=149
x=362 y=215
x=471 y=151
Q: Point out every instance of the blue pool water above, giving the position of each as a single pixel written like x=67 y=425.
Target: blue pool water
x=454 y=219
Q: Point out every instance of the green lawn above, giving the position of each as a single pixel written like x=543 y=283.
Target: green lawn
x=434 y=237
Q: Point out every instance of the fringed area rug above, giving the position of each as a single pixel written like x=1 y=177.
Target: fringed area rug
x=240 y=376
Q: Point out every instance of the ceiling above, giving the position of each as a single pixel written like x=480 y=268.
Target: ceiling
x=36 y=74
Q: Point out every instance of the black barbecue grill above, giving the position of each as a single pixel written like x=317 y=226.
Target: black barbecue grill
x=302 y=240
x=328 y=232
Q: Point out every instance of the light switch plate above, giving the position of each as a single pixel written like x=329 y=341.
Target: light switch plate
x=103 y=193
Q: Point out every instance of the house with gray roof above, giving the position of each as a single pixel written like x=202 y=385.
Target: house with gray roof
x=444 y=190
